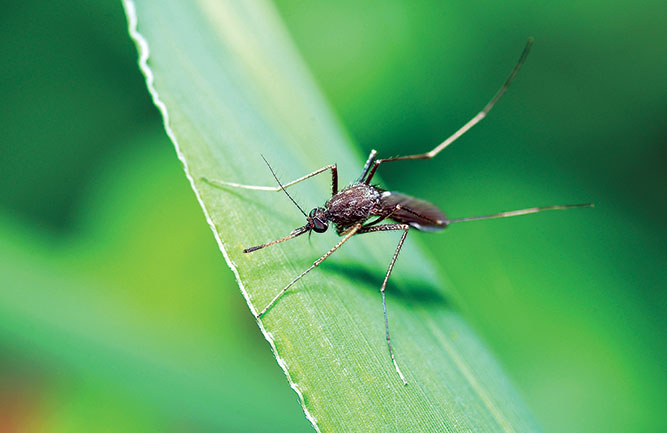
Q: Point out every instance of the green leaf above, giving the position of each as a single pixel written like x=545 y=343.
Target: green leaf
x=232 y=88
x=103 y=310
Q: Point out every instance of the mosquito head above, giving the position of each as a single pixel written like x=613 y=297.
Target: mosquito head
x=318 y=220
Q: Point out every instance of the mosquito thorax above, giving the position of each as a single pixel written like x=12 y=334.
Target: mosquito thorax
x=353 y=204
x=318 y=220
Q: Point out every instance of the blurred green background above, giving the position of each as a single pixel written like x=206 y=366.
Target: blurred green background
x=118 y=313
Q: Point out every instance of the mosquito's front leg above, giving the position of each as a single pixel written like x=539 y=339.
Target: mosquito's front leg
x=348 y=234
x=472 y=122
x=332 y=167
x=382 y=228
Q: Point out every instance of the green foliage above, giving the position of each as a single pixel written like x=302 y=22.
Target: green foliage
x=102 y=331
x=231 y=88
x=117 y=312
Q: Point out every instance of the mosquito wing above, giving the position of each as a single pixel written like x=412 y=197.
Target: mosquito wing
x=420 y=214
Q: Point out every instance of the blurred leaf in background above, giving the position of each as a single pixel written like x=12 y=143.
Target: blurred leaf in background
x=100 y=310
x=116 y=310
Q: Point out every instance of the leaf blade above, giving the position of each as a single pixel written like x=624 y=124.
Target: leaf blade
x=231 y=86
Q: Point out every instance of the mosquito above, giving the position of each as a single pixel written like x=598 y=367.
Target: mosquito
x=365 y=208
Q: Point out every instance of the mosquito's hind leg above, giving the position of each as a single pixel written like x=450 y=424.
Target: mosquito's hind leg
x=332 y=167
x=382 y=228
x=472 y=122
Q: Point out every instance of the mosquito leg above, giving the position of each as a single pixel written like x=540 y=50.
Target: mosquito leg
x=332 y=167
x=348 y=234
x=382 y=218
x=387 y=227
x=519 y=212
x=472 y=122
x=367 y=166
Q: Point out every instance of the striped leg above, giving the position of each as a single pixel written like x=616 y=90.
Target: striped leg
x=382 y=228
x=351 y=232
x=332 y=167
x=472 y=122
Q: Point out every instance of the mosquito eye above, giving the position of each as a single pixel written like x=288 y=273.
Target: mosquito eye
x=320 y=226
x=318 y=220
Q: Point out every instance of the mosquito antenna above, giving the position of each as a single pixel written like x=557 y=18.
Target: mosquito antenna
x=520 y=212
x=283 y=188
